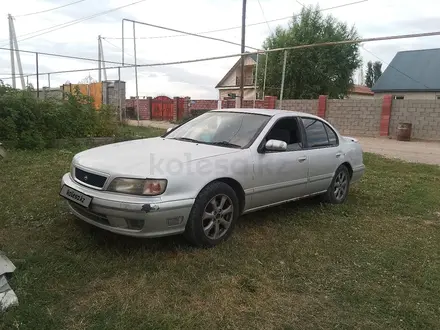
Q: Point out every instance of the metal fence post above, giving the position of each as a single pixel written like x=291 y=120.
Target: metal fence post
x=38 y=79
x=282 y=79
x=265 y=75
x=136 y=71
x=119 y=94
x=255 y=82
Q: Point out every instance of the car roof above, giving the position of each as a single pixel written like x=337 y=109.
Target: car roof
x=266 y=112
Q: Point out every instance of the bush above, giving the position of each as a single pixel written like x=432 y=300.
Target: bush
x=29 y=123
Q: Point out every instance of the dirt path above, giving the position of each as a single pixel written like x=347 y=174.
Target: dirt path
x=413 y=151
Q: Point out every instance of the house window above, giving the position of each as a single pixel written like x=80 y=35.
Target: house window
x=438 y=97
x=398 y=97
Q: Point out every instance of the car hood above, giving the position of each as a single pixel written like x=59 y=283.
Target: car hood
x=145 y=157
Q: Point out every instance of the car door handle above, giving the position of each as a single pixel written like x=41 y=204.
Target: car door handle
x=338 y=154
x=301 y=159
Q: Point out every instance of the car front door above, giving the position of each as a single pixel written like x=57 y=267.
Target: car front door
x=323 y=152
x=280 y=175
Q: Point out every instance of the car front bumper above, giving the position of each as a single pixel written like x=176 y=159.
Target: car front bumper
x=127 y=215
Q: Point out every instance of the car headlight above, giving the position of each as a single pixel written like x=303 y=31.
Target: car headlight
x=148 y=187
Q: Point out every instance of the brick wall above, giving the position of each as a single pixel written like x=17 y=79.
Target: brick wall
x=203 y=105
x=144 y=108
x=375 y=116
x=423 y=114
x=355 y=117
x=267 y=103
x=257 y=104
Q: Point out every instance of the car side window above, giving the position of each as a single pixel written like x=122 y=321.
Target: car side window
x=287 y=130
x=332 y=138
x=318 y=133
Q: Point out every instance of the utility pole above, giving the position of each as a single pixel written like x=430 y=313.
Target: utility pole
x=101 y=60
x=13 y=45
x=243 y=37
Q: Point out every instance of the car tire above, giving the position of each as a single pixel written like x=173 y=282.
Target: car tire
x=213 y=216
x=338 y=190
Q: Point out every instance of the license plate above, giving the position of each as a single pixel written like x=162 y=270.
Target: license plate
x=75 y=196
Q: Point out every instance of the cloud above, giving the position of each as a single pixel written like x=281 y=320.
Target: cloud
x=195 y=80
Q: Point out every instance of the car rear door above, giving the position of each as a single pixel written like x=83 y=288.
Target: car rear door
x=323 y=152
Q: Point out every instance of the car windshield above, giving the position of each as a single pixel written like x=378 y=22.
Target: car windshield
x=228 y=129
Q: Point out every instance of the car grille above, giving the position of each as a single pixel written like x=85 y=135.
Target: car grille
x=90 y=179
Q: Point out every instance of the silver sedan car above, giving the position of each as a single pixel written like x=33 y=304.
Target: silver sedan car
x=199 y=177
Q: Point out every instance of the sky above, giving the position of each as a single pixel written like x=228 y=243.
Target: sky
x=372 y=18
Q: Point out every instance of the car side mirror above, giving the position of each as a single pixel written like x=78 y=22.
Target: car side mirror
x=275 y=145
x=169 y=129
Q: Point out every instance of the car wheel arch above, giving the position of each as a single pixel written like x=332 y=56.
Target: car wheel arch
x=349 y=167
x=235 y=185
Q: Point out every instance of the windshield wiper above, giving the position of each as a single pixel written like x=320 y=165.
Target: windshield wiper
x=225 y=144
x=187 y=139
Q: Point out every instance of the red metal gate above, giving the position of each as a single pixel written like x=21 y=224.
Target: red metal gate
x=162 y=108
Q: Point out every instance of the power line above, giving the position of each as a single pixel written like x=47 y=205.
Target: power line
x=61 y=55
x=330 y=43
x=70 y=23
x=51 y=9
x=117 y=47
x=189 y=33
x=239 y=27
x=415 y=80
x=264 y=16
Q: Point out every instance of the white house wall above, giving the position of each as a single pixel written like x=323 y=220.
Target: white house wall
x=231 y=78
x=249 y=93
x=411 y=95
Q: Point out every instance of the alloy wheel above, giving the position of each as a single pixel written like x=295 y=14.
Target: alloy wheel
x=341 y=184
x=217 y=216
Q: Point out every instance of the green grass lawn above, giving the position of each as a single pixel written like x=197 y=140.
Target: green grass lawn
x=372 y=263
x=139 y=131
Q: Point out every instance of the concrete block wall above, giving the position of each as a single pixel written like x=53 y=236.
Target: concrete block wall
x=375 y=116
x=355 y=117
x=308 y=106
x=423 y=114
x=110 y=90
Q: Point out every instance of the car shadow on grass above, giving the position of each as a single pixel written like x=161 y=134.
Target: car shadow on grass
x=125 y=244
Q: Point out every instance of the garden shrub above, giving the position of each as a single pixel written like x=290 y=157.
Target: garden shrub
x=29 y=123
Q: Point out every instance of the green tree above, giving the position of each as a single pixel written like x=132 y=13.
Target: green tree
x=369 y=76
x=311 y=72
x=377 y=70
